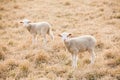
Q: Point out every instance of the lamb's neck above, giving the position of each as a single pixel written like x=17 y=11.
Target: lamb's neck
x=28 y=27
x=66 y=41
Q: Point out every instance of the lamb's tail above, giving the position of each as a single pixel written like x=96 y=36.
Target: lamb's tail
x=51 y=34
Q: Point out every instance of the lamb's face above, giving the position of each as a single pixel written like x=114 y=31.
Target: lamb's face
x=25 y=22
x=64 y=35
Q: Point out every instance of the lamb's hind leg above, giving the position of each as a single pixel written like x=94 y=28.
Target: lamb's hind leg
x=44 y=41
x=91 y=51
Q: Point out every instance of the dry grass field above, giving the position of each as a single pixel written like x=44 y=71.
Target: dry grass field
x=20 y=61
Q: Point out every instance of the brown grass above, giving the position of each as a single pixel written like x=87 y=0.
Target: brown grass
x=2 y=55
x=20 y=61
x=41 y=57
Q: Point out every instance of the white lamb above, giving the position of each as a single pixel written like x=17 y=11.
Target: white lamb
x=38 y=28
x=79 y=44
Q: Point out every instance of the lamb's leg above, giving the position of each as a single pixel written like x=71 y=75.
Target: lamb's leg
x=33 y=39
x=44 y=40
x=92 y=56
x=74 y=60
x=36 y=39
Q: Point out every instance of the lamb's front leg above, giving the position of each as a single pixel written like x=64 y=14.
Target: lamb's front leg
x=34 y=40
x=74 y=60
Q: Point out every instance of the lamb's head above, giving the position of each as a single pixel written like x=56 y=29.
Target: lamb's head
x=65 y=35
x=25 y=22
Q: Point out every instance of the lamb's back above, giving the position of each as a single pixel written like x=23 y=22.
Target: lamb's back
x=82 y=43
x=40 y=27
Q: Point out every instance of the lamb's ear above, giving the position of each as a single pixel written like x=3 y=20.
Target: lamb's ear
x=59 y=35
x=29 y=22
x=21 y=22
x=69 y=35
